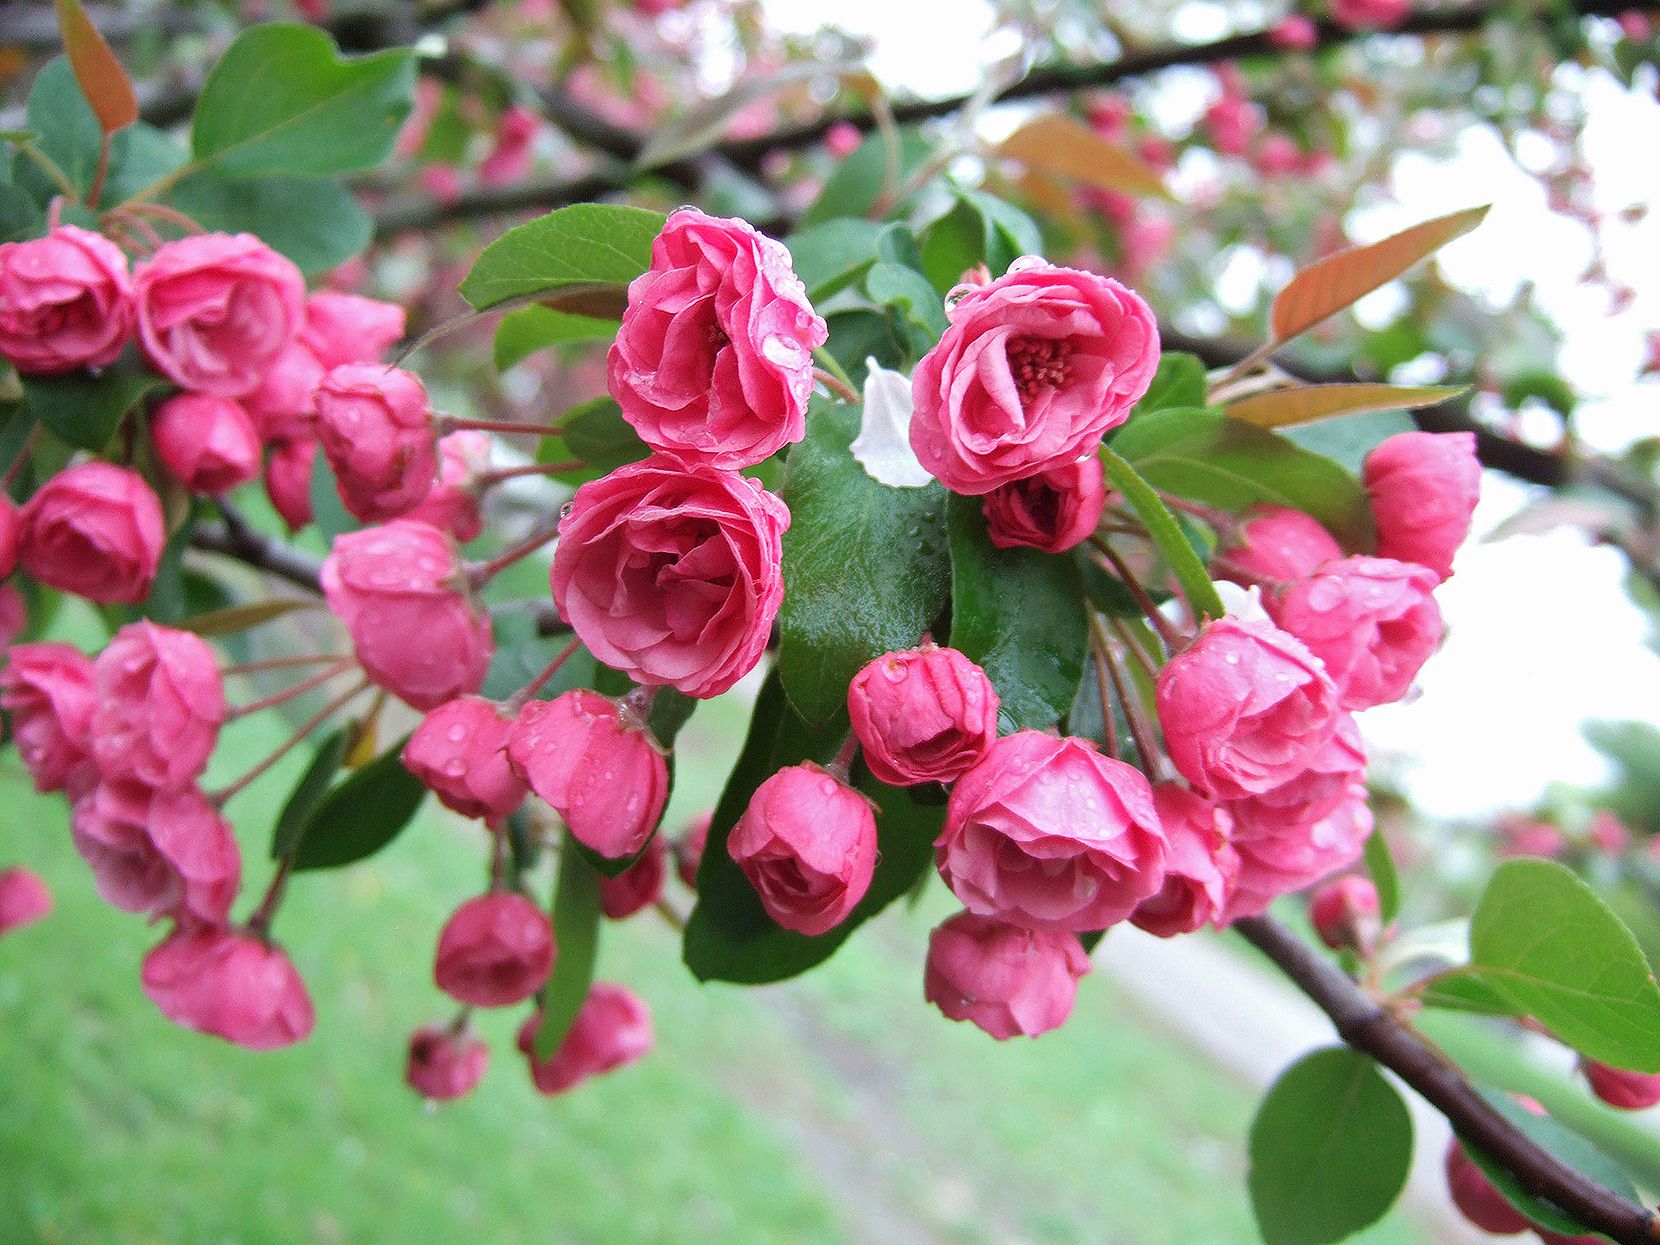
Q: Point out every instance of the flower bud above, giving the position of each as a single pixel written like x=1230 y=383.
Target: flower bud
x=495 y=950
x=24 y=898
x=1369 y=14
x=95 y=531
x=284 y=407
x=376 y=427
x=1276 y=544
x=1005 y=979
x=1200 y=864
x=807 y=844
x=208 y=443
x=923 y=715
x=1629 y=1091
x=1476 y=1197
x=1424 y=487
x=66 y=302
x=1299 y=855
x=1345 y=913
x=46 y=688
x=1608 y=833
x=229 y=984
x=164 y=853
x=604 y=776
x=612 y=1029
x=459 y=752
x=452 y=505
x=1054 y=511
x=637 y=886
x=160 y=705
x=444 y=1064
x=348 y=328
x=288 y=481
x=1294 y=33
x=688 y=848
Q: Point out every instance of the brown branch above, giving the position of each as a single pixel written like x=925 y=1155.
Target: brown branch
x=236 y=539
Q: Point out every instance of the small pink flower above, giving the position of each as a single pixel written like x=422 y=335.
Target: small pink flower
x=452 y=505
x=842 y=139
x=688 y=848
x=208 y=443
x=514 y=147
x=376 y=427
x=637 y=886
x=348 y=328
x=672 y=574
x=1345 y=913
x=46 y=688
x=160 y=705
x=1635 y=25
x=66 y=302
x=24 y=899
x=1035 y=367
x=495 y=950
x=1007 y=980
x=1424 y=487
x=807 y=844
x=1370 y=14
x=1200 y=863
x=1277 y=155
x=1054 y=511
x=1608 y=833
x=1476 y=1197
x=231 y=985
x=1299 y=856
x=284 y=407
x=444 y=1065
x=714 y=360
x=165 y=853
x=1232 y=122
x=603 y=774
x=1293 y=33
x=1276 y=544
x=1047 y=833
x=401 y=592
x=95 y=531
x=288 y=480
x=459 y=752
x=216 y=310
x=612 y=1030
x=923 y=715
x=1528 y=836
x=1629 y=1091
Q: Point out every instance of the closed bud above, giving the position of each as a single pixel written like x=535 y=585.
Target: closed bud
x=24 y=898
x=688 y=848
x=923 y=715
x=348 y=328
x=229 y=984
x=288 y=480
x=1200 y=863
x=1345 y=913
x=459 y=752
x=1424 y=487
x=1629 y=1091
x=1276 y=544
x=95 y=531
x=376 y=427
x=495 y=950
x=1476 y=1197
x=284 y=407
x=209 y=444
x=612 y=1029
x=1007 y=980
x=637 y=886
x=1054 y=511
x=452 y=505
x=444 y=1064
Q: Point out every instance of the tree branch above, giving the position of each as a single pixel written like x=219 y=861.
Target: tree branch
x=235 y=539
x=1368 y=1028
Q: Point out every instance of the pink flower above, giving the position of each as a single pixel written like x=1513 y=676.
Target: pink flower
x=1277 y=155
x=1293 y=33
x=1369 y=14
x=1054 y=511
x=452 y=505
x=348 y=328
x=66 y=302
x=1424 y=487
x=1245 y=708
x=24 y=898
x=1476 y=1197
x=637 y=886
x=601 y=772
x=1231 y=122
x=1200 y=863
x=1048 y=833
x=1005 y=979
x=1033 y=369
x=1345 y=913
x=1527 y=836
x=284 y=407
x=166 y=853
x=842 y=139
x=807 y=844
x=229 y=984
x=1371 y=620
x=923 y=715
x=208 y=443
x=1635 y=25
x=495 y=950
x=216 y=310
x=714 y=360
x=288 y=480
x=612 y=1029
x=511 y=153
x=160 y=705
x=459 y=752
x=688 y=848
x=1299 y=856
x=401 y=592
x=376 y=427
x=1629 y=1091
x=95 y=531
x=46 y=688
x=445 y=1065
x=672 y=574
x=1277 y=544
x=1608 y=833
x=9 y=535
x=1312 y=794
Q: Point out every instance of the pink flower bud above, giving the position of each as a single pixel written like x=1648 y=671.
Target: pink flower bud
x=1635 y=25
x=1048 y=833
x=714 y=360
x=444 y=1065
x=807 y=844
x=1277 y=155
x=1231 y=122
x=510 y=156
x=401 y=592
x=1109 y=116
x=66 y=302
x=231 y=985
x=165 y=853
x=284 y=407
x=46 y=688
x=688 y=848
x=1276 y=544
x=288 y=481
x=842 y=139
x=1293 y=33
x=605 y=776
x=8 y=535
x=612 y=1029
x=348 y=328
x=1345 y=913
x=923 y=715
x=1298 y=856
x=216 y=310
x=1629 y=1091
x=1608 y=833
x=452 y=505
x=638 y=886
x=208 y=443
x=459 y=752
x=1528 y=836
x=24 y=898
x=1476 y=1197
x=1054 y=511
x=495 y=950
x=376 y=427
x=95 y=531
x=1200 y=864
x=1372 y=621
x=1245 y=708
x=1369 y=14
x=1424 y=487
x=160 y=705
x=1313 y=794
x=1005 y=979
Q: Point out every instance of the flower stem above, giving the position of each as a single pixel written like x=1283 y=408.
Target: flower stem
x=518 y=699
x=836 y=385
x=486 y=478
x=1173 y=639
x=1103 y=683
x=449 y=423
x=221 y=797
x=289 y=693
x=481 y=573
x=283 y=663
x=1140 y=730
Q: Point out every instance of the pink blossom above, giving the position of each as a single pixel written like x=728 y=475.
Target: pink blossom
x=1007 y=980
x=375 y=425
x=95 y=531
x=46 y=689
x=208 y=443
x=459 y=752
x=923 y=715
x=1200 y=863
x=1054 y=511
x=1424 y=487
x=612 y=1030
x=160 y=703
x=231 y=985
x=66 y=302
x=444 y=1065
x=495 y=950
x=164 y=853
x=24 y=898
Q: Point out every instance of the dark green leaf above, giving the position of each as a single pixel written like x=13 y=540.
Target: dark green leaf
x=856 y=336
x=1167 y=534
x=597 y=436
x=1019 y=613
x=866 y=566
x=361 y=815
x=918 y=302
x=314 y=221
x=20 y=215
x=1179 y=381
x=586 y=244
x=576 y=913
x=308 y=792
x=1463 y=991
x=859 y=180
x=1381 y=865
x=85 y=410
x=139 y=156
x=67 y=131
x=1331 y=1146
x=833 y=255
x=529 y=329
x=952 y=245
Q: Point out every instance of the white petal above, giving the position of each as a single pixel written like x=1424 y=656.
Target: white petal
x=1244 y=604
x=883 y=446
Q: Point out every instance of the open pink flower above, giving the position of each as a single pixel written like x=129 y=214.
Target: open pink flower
x=46 y=688
x=1007 y=980
x=1054 y=511
x=231 y=985
x=95 y=531
x=66 y=301
x=161 y=702
x=165 y=853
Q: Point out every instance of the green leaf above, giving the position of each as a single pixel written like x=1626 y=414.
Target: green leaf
x=1019 y=613
x=235 y=618
x=1179 y=381
x=66 y=129
x=83 y=409
x=328 y=512
x=597 y=436
x=361 y=815
x=314 y=221
x=1167 y=535
x=980 y=229
x=529 y=329
x=586 y=244
x=866 y=566
x=1462 y=991
x=282 y=100
x=834 y=254
x=1541 y=940
x=1331 y=1146
x=1347 y=441
x=308 y=793
x=858 y=181
x=919 y=304
x=140 y=155
x=1381 y=865
x=576 y=913
x=1204 y=456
